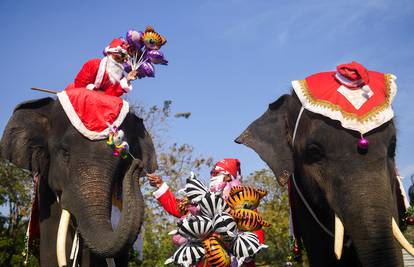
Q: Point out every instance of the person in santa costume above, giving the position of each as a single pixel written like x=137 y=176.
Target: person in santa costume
x=224 y=175
x=107 y=74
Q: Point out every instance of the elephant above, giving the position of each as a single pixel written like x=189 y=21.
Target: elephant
x=77 y=175
x=345 y=202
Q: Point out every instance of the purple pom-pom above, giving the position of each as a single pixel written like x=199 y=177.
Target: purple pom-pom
x=363 y=143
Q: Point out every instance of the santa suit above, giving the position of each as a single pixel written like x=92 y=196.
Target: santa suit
x=104 y=75
x=168 y=201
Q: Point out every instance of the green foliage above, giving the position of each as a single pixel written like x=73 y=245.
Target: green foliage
x=15 y=198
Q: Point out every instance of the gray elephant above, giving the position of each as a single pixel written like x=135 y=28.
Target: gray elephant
x=76 y=178
x=353 y=194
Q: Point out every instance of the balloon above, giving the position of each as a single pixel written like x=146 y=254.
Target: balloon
x=186 y=255
x=134 y=39
x=248 y=220
x=153 y=40
x=194 y=189
x=225 y=225
x=127 y=67
x=246 y=245
x=212 y=204
x=146 y=69
x=156 y=57
x=194 y=227
x=245 y=197
x=216 y=254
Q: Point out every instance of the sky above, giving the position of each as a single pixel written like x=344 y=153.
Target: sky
x=227 y=59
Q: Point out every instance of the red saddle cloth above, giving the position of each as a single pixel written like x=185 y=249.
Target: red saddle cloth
x=358 y=98
x=91 y=112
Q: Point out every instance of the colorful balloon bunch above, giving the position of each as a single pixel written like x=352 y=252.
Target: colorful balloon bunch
x=215 y=235
x=144 y=51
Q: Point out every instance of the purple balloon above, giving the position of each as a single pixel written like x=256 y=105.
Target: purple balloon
x=127 y=67
x=134 y=39
x=155 y=56
x=146 y=69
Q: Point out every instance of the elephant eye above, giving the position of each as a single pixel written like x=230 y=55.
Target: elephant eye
x=391 y=147
x=314 y=153
x=65 y=153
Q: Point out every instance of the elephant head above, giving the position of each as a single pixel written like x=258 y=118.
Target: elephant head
x=77 y=175
x=343 y=186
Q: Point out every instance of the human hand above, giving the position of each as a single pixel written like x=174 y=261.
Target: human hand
x=155 y=180
x=132 y=75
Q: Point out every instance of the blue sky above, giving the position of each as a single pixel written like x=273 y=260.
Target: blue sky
x=228 y=59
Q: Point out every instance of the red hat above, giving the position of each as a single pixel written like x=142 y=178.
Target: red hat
x=229 y=166
x=352 y=75
x=117 y=46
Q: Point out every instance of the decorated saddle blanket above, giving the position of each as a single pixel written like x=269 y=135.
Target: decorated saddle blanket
x=93 y=113
x=360 y=99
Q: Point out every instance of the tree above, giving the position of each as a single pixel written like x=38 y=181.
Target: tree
x=15 y=197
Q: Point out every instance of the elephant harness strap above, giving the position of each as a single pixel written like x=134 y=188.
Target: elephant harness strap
x=326 y=230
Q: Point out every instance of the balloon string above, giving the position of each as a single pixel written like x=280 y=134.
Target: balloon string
x=140 y=61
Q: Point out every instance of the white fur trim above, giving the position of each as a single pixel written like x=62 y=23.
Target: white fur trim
x=125 y=84
x=90 y=86
x=347 y=82
x=117 y=49
x=101 y=72
x=77 y=123
x=352 y=123
x=161 y=191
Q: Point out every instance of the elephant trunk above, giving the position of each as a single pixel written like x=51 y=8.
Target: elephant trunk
x=93 y=211
x=368 y=221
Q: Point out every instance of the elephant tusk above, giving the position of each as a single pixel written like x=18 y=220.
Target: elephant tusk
x=401 y=239
x=339 y=237
x=110 y=262
x=61 y=238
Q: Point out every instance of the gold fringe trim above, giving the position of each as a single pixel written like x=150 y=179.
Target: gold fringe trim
x=350 y=116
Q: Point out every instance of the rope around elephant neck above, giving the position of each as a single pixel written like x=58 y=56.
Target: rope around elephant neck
x=296 y=186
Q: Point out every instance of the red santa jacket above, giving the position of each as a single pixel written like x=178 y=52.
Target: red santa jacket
x=168 y=201
x=94 y=76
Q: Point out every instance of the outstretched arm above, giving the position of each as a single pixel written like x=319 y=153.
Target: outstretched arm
x=164 y=195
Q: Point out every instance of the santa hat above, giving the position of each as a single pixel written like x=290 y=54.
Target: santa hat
x=117 y=45
x=352 y=75
x=227 y=166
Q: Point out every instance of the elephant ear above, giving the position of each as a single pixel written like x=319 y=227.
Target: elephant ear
x=24 y=141
x=142 y=147
x=268 y=136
